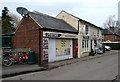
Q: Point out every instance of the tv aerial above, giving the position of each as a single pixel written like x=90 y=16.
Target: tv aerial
x=23 y=11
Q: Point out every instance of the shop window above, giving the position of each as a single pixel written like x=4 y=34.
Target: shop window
x=82 y=43
x=85 y=43
x=63 y=47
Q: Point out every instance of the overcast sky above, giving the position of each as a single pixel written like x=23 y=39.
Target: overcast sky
x=94 y=11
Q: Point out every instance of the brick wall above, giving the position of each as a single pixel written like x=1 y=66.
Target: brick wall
x=27 y=35
x=111 y=38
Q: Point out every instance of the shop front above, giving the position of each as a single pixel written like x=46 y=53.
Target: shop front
x=60 y=46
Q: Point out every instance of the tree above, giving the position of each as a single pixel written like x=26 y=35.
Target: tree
x=16 y=19
x=0 y=26
x=7 y=25
x=112 y=24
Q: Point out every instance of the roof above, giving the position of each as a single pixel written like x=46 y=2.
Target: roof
x=108 y=32
x=82 y=20
x=50 y=22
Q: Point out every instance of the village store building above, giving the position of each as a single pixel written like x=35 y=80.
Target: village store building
x=89 y=34
x=51 y=38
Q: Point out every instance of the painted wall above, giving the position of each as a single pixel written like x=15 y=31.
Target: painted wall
x=51 y=50
x=93 y=35
x=69 y=19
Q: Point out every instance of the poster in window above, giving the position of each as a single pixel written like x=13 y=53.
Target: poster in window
x=45 y=48
x=62 y=47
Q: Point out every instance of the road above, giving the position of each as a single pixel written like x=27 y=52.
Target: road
x=103 y=68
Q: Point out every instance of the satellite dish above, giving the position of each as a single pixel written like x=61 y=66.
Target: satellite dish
x=25 y=11
x=19 y=10
x=22 y=11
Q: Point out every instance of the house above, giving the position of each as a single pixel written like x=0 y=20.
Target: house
x=110 y=36
x=51 y=38
x=7 y=40
x=89 y=35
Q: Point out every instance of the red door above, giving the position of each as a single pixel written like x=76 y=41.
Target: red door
x=75 y=48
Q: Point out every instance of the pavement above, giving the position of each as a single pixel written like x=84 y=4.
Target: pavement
x=23 y=69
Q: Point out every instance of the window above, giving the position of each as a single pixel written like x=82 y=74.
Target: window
x=85 y=43
x=82 y=43
x=95 y=42
x=98 y=33
x=86 y=29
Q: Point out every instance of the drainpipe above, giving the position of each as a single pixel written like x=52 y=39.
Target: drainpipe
x=78 y=25
x=78 y=40
x=40 y=46
x=39 y=60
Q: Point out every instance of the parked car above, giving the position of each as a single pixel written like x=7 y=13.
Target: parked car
x=100 y=49
x=107 y=48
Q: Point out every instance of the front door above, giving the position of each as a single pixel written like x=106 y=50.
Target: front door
x=75 y=48
x=91 y=45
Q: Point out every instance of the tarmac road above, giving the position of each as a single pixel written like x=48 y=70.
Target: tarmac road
x=103 y=68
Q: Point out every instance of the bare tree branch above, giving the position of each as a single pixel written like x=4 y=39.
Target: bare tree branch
x=15 y=18
x=112 y=24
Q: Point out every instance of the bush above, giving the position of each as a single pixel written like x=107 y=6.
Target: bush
x=114 y=46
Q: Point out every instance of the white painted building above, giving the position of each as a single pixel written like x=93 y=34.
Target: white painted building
x=89 y=34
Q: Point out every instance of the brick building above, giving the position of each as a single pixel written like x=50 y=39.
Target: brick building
x=110 y=36
x=37 y=29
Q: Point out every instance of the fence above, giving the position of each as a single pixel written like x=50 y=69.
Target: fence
x=15 y=51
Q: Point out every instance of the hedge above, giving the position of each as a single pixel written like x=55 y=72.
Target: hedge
x=114 y=46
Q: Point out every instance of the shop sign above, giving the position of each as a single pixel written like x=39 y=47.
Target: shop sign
x=69 y=36
x=45 y=48
x=52 y=35
x=85 y=37
x=56 y=35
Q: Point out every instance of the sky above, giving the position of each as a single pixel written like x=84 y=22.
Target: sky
x=94 y=11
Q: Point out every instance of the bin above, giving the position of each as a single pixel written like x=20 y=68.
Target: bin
x=31 y=57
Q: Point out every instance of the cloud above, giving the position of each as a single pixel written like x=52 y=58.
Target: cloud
x=95 y=11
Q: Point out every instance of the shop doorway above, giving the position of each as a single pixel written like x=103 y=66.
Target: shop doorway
x=75 y=48
x=91 y=45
